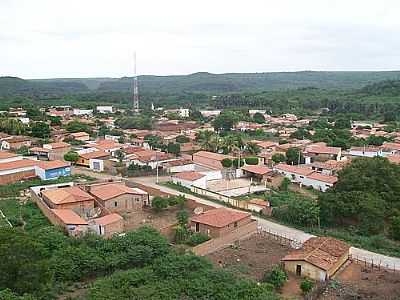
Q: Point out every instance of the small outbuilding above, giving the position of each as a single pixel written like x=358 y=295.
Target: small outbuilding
x=318 y=259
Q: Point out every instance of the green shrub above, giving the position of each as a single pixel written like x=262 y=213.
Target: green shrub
x=159 y=203
x=251 y=160
x=197 y=239
x=277 y=277
x=226 y=163
x=236 y=163
x=306 y=285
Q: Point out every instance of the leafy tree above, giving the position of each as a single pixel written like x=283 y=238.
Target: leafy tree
x=23 y=150
x=366 y=194
x=55 y=121
x=120 y=155
x=225 y=121
x=277 y=277
x=342 y=123
x=121 y=139
x=298 y=210
x=395 y=228
x=294 y=156
x=251 y=160
x=301 y=134
x=284 y=186
x=40 y=130
x=24 y=267
x=376 y=140
x=174 y=148
x=226 y=163
x=71 y=156
x=159 y=203
x=278 y=158
x=76 y=126
x=259 y=118
x=182 y=217
x=136 y=122
x=253 y=148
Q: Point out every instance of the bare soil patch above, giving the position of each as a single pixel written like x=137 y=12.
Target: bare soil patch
x=251 y=257
x=360 y=282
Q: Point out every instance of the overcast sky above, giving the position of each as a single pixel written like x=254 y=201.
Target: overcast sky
x=93 y=38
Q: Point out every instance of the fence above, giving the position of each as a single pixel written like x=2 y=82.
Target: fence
x=374 y=264
x=282 y=239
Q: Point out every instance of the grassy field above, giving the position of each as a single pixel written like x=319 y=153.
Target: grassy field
x=23 y=214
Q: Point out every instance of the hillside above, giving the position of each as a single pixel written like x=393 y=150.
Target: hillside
x=14 y=86
x=201 y=82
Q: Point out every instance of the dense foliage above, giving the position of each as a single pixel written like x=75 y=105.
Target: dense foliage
x=366 y=196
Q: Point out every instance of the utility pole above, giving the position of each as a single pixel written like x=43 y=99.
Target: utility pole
x=135 y=87
x=157 y=167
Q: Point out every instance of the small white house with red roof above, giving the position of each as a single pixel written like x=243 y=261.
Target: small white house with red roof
x=190 y=178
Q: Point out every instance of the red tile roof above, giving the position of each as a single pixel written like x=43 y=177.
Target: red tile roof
x=5 y=155
x=94 y=154
x=69 y=217
x=212 y=155
x=58 y=145
x=67 y=195
x=54 y=164
x=220 y=217
x=108 y=219
x=323 y=178
x=323 y=150
x=189 y=176
x=106 y=191
x=258 y=169
x=322 y=252
x=24 y=163
x=294 y=169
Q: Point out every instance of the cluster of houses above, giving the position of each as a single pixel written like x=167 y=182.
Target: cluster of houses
x=95 y=207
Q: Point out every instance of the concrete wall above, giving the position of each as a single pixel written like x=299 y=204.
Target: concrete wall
x=184 y=168
x=224 y=241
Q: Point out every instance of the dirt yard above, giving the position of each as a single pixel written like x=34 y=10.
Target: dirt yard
x=358 y=282
x=251 y=257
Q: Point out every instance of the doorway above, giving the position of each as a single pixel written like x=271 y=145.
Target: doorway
x=298 y=270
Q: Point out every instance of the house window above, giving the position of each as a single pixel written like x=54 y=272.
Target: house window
x=235 y=224
x=197 y=227
x=115 y=204
x=301 y=176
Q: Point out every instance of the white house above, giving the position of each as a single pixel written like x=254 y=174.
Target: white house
x=189 y=179
x=82 y=112
x=105 y=109
x=365 y=151
x=296 y=174
x=319 y=181
x=179 y=165
x=210 y=113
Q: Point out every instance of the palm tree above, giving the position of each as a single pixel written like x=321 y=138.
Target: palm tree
x=252 y=148
x=208 y=140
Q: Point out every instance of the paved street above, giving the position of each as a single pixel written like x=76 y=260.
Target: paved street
x=282 y=230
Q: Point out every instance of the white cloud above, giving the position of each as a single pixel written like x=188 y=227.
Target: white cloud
x=75 y=38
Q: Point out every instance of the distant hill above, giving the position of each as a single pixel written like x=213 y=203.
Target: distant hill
x=390 y=88
x=14 y=86
x=201 y=82
x=236 y=82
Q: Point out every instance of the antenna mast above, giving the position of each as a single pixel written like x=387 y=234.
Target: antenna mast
x=135 y=87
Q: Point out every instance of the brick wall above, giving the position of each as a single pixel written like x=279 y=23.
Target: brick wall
x=222 y=242
x=15 y=177
x=46 y=210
